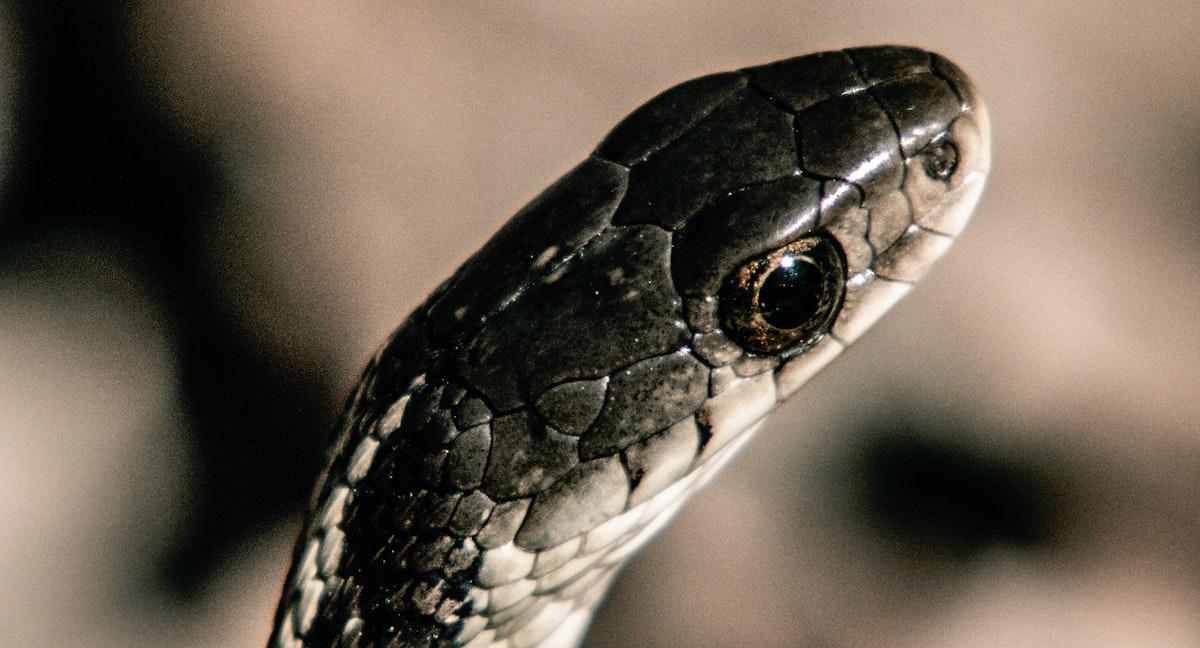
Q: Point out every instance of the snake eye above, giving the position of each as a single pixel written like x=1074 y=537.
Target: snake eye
x=786 y=297
x=941 y=159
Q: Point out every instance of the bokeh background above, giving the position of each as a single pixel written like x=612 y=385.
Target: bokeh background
x=211 y=213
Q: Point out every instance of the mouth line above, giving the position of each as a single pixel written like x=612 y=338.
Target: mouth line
x=949 y=216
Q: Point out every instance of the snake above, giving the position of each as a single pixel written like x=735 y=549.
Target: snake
x=550 y=406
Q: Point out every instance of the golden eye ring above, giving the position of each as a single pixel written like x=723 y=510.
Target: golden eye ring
x=784 y=298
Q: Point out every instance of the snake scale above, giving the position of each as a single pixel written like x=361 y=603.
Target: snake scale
x=550 y=406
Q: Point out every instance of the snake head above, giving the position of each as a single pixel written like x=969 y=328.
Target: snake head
x=555 y=401
x=893 y=148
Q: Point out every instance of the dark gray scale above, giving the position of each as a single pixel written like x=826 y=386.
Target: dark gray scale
x=527 y=456
x=467 y=457
x=503 y=524
x=550 y=228
x=471 y=412
x=644 y=398
x=612 y=305
x=956 y=78
x=556 y=378
x=714 y=349
x=741 y=226
x=879 y=64
x=441 y=507
x=432 y=464
x=850 y=137
x=799 y=83
x=659 y=121
x=921 y=106
x=701 y=314
x=572 y=406
x=440 y=430
x=472 y=512
x=744 y=140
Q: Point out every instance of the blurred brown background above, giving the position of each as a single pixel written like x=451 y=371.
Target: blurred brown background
x=212 y=212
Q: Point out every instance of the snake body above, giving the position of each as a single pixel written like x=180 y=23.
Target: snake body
x=550 y=406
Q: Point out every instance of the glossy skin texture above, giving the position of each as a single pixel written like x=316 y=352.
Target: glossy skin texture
x=553 y=403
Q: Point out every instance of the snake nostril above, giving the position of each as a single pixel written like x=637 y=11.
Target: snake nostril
x=941 y=160
x=936 y=497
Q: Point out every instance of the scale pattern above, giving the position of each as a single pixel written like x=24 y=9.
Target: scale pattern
x=553 y=403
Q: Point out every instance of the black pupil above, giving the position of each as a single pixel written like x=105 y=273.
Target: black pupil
x=791 y=294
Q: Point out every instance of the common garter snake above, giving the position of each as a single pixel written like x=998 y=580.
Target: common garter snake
x=550 y=406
